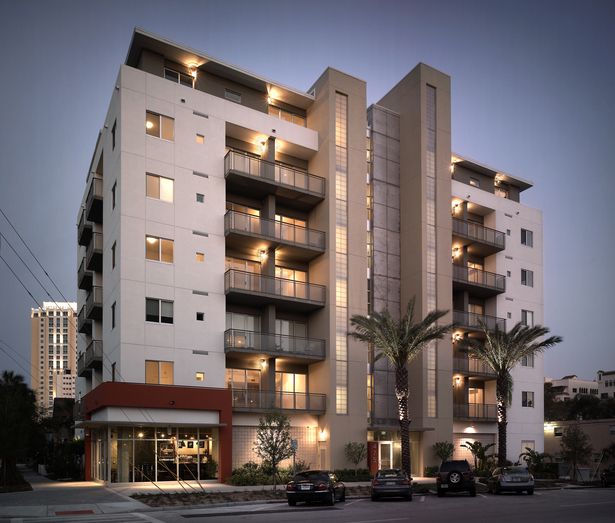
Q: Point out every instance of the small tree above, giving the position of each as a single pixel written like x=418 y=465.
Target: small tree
x=479 y=452
x=355 y=453
x=576 y=448
x=443 y=450
x=534 y=460
x=273 y=442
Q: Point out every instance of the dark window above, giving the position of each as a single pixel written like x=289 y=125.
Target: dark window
x=527 y=237
x=113 y=315
x=527 y=399
x=233 y=96
x=527 y=277
x=158 y=311
x=200 y=316
x=113 y=135
x=113 y=371
x=113 y=255
x=113 y=190
x=200 y=198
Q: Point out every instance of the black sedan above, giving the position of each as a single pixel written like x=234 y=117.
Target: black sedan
x=321 y=486
x=391 y=483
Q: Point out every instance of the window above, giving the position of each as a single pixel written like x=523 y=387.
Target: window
x=508 y=274
x=527 y=237
x=574 y=389
x=113 y=255
x=527 y=318
x=177 y=77
x=113 y=191
x=200 y=316
x=159 y=126
x=113 y=371
x=159 y=372
x=159 y=249
x=200 y=139
x=200 y=257
x=527 y=399
x=159 y=187
x=113 y=315
x=113 y=135
x=527 y=361
x=200 y=198
x=199 y=376
x=527 y=277
x=508 y=315
x=474 y=182
x=286 y=115
x=233 y=96
x=158 y=311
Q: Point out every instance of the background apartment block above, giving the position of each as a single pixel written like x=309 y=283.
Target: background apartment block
x=224 y=247
x=53 y=353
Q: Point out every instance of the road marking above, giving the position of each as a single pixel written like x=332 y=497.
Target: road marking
x=348 y=503
x=147 y=517
x=588 y=504
x=482 y=496
x=377 y=520
x=421 y=499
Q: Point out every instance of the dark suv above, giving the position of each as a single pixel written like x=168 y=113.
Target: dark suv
x=608 y=476
x=455 y=476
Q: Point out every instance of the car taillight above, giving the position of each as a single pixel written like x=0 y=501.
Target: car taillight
x=438 y=479
x=321 y=486
x=290 y=486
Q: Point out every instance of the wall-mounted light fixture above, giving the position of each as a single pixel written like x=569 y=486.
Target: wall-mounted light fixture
x=263 y=146
x=262 y=254
x=456 y=252
x=263 y=363
x=322 y=435
x=457 y=381
x=457 y=337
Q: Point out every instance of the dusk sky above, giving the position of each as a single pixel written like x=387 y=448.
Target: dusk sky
x=533 y=94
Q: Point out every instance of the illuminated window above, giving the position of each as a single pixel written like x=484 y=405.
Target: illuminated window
x=159 y=372
x=158 y=311
x=527 y=399
x=159 y=249
x=199 y=376
x=159 y=187
x=177 y=77
x=200 y=139
x=474 y=182
x=159 y=126
x=200 y=257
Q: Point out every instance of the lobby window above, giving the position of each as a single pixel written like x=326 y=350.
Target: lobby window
x=158 y=311
x=159 y=126
x=527 y=318
x=527 y=238
x=159 y=188
x=527 y=277
x=113 y=315
x=159 y=249
x=233 y=96
x=527 y=399
x=159 y=372
x=200 y=139
x=177 y=77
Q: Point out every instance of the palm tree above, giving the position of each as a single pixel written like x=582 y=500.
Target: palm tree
x=502 y=351
x=479 y=452
x=534 y=460
x=400 y=342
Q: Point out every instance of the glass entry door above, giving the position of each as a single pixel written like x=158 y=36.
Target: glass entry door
x=385 y=454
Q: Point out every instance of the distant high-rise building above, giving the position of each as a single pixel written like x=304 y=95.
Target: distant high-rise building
x=54 y=353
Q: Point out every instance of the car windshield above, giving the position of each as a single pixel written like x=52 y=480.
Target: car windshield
x=392 y=473
x=312 y=476
x=514 y=470
x=448 y=466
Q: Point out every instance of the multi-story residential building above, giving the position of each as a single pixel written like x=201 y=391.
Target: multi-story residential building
x=571 y=386
x=223 y=249
x=53 y=353
x=606 y=383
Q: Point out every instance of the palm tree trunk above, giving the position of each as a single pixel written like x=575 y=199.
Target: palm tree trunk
x=401 y=391
x=501 y=398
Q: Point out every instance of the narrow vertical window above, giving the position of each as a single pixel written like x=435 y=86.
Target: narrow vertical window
x=113 y=135
x=113 y=371
x=113 y=191
x=113 y=255
x=113 y=315
x=200 y=139
x=527 y=238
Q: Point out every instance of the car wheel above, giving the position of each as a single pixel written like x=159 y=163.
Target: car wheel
x=530 y=491
x=292 y=502
x=440 y=493
x=374 y=497
x=473 y=492
x=331 y=500
x=454 y=478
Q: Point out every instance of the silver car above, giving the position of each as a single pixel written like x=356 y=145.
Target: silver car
x=511 y=479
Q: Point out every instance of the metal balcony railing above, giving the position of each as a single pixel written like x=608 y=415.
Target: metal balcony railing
x=479 y=233
x=478 y=277
x=283 y=175
x=472 y=366
x=84 y=325
x=242 y=281
x=276 y=344
x=94 y=253
x=93 y=303
x=274 y=230
x=93 y=201
x=252 y=400
x=91 y=358
x=475 y=411
x=84 y=229
x=471 y=320
x=84 y=277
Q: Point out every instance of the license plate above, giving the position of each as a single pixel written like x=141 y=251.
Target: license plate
x=443 y=486
x=516 y=480
x=304 y=487
x=389 y=483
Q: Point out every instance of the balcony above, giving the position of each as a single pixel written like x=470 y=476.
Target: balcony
x=257 y=178
x=278 y=345
x=84 y=229
x=84 y=325
x=472 y=367
x=479 y=283
x=94 y=201
x=480 y=240
x=92 y=358
x=94 y=253
x=475 y=411
x=93 y=304
x=472 y=321
x=245 y=400
x=84 y=277
x=247 y=233
x=248 y=288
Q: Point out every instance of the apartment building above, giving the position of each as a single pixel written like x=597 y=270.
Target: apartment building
x=569 y=387
x=606 y=383
x=53 y=353
x=225 y=241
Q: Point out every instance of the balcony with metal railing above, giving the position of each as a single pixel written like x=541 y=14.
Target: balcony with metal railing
x=482 y=241
x=91 y=358
x=93 y=304
x=469 y=366
x=475 y=411
x=84 y=229
x=278 y=345
x=473 y=321
x=257 y=178
x=253 y=289
x=94 y=201
x=84 y=325
x=480 y=283
x=94 y=253
x=245 y=232
x=84 y=277
x=247 y=400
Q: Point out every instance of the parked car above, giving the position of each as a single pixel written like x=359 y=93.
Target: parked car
x=391 y=483
x=321 y=486
x=455 y=476
x=511 y=479
x=607 y=477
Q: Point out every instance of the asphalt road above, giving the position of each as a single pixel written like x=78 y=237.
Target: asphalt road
x=570 y=505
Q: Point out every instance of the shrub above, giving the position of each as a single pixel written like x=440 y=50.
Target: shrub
x=249 y=474
x=431 y=472
x=353 y=475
